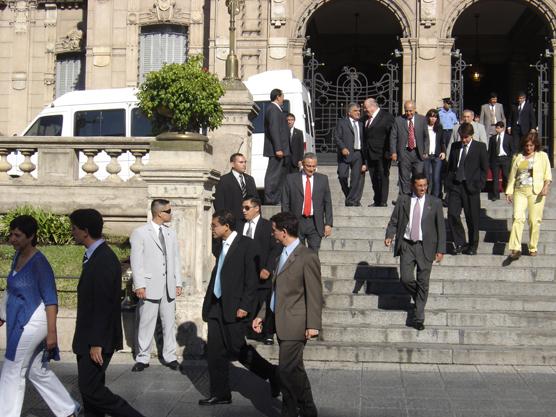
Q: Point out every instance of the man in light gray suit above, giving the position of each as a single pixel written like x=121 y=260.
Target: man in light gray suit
x=409 y=144
x=155 y=265
x=417 y=223
x=307 y=195
x=492 y=113
x=479 y=131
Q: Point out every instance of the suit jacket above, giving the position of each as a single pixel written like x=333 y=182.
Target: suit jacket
x=399 y=135
x=433 y=227
x=149 y=267
x=486 y=116
x=377 y=136
x=293 y=197
x=541 y=172
x=299 y=299
x=266 y=249
x=297 y=147
x=475 y=166
x=276 y=134
x=99 y=318
x=479 y=135
x=439 y=142
x=238 y=279
x=507 y=144
x=344 y=136
x=526 y=119
x=227 y=194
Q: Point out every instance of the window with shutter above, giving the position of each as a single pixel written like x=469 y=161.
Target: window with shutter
x=159 y=45
x=68 y=73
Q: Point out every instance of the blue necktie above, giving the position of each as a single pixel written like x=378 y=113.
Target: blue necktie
x=283 y=259
x=217 y=284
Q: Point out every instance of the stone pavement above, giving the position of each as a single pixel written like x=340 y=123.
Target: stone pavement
x=340 y=390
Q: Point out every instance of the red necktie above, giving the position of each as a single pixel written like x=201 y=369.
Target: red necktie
x=411 y=139
x=308 y=199
x=369 y=121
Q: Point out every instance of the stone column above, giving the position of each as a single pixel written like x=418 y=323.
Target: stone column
x=182 y=172
x=409 y=51
x=235 y=134
x=99 y=44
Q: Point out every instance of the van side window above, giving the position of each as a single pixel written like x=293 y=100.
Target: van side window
x=99 y=123
x=140 y=125
x=46 y=126
x=258 y=122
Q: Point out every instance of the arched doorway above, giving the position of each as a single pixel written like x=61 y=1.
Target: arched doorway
x=352 y=45
x=502 y=40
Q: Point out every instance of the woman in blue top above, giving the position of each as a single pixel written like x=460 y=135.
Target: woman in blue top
x=31 y=309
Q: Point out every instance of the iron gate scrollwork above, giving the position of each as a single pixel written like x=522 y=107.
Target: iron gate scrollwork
x=542 y=91
x=456 y=84
x=330 y=99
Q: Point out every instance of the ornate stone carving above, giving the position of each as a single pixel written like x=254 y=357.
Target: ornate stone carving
x=277 y=48
x=278 y=13
x=251 y=18
x=164 y=9
x=22 y=13
x=71 y=42
x=161 y=11
x=428 y=13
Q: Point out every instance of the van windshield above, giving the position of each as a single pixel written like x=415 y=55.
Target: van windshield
x=258 y=122
x=99 y=123
x=46 y=126
x=140 y=124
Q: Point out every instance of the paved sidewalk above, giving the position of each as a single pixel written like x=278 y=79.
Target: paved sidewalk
x=340 y=390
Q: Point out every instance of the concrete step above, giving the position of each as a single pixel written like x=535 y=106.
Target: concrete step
x=421 y=353
x=445 y=302
x=449 y=287
x=438 y=318
x=432 y=334
x=519 y=273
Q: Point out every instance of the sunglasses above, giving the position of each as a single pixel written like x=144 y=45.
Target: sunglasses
x=167 y=211
x=246 y=208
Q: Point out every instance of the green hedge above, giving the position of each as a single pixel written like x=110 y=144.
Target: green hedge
x=54 y=229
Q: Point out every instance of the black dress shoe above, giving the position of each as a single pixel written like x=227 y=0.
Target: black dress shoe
x=269 y=340
x=174 y=365
x=215 y=401
x=458 y=249
x=419 y=325
x=274 y=383
x=470 y=251
x=139 y=367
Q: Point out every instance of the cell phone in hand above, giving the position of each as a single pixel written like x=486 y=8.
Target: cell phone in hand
x=52 y=354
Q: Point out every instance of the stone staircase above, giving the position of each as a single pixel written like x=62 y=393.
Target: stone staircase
x=478 y=312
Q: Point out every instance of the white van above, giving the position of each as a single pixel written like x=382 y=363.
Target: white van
x=297 y=101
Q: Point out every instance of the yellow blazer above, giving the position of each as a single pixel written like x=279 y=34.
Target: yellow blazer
x=541 y=172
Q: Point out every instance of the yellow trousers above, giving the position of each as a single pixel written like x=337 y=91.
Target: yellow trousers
x=524 y=199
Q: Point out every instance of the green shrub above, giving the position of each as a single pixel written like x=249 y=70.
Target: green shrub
x=54 y=229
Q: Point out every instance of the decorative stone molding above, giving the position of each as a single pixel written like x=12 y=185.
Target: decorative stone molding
x=278 y=13
x=250 y=64
x=427 y=48
x=251 y=18
x=101 y=56
x=51 y=14
x=277 y=48
x=162 y=11
x=19 y=80
x=222 y=47
x=72 y=42
x=428 y=13
x=22 y=14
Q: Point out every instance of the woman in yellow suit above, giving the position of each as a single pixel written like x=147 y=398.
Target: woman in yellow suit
x=528 y=183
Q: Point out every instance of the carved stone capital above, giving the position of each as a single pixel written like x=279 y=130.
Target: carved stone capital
x=428 y=13
x=278 y=13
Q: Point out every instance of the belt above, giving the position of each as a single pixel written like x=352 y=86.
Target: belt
x=409 y=150
x=307 y=217
x=413 y=242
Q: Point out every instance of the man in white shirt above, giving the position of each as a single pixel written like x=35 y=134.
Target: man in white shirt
x=500 y=152
x=417 y=224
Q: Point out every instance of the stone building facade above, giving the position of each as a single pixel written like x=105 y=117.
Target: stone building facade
x=103 y=38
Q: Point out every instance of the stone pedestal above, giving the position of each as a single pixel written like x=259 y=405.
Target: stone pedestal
x=235 y=134
x=181 y=170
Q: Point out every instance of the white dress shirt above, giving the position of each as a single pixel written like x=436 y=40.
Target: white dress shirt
x=253 y=222
x=421 y=202
x=432 y=140
x=461 y=150
x=501 y=151
x=356 y=133
x=237 y=175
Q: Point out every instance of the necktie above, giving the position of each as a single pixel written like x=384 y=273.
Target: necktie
x=217 y=283
x=369 y=121
x=308 y=198
x=162 y=240
x=356 y=144
x=493 y=114
x=414 y=233
x=498 y=144
x=460 y=174
x=85 y=258
x=243 y=187
x=250 y=230
x=411 y=137
x=281 y=263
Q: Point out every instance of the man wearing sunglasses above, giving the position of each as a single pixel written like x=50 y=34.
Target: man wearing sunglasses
x=155 y=265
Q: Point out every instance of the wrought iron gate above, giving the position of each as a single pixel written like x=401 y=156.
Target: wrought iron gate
x=330 y=99
x=456 y=84
x=542 y=94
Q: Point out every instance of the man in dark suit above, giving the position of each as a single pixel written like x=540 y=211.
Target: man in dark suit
x=276 y=148
x=297 y=305
x=98 y=326
x=267 y=250
x=297 y=145
x=417 y=223
x=500 y=152
x=348 y=136
x=409 y=144
x=229 y=300
x=377 y=149
x=523 y=119
x=467 y=171
x=307 y=195
x=234 y=186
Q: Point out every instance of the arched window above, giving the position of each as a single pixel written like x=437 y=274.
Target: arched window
x=69 y=73
x=159 y=45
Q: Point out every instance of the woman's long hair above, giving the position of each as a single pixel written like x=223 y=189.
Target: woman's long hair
x=434 y=113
